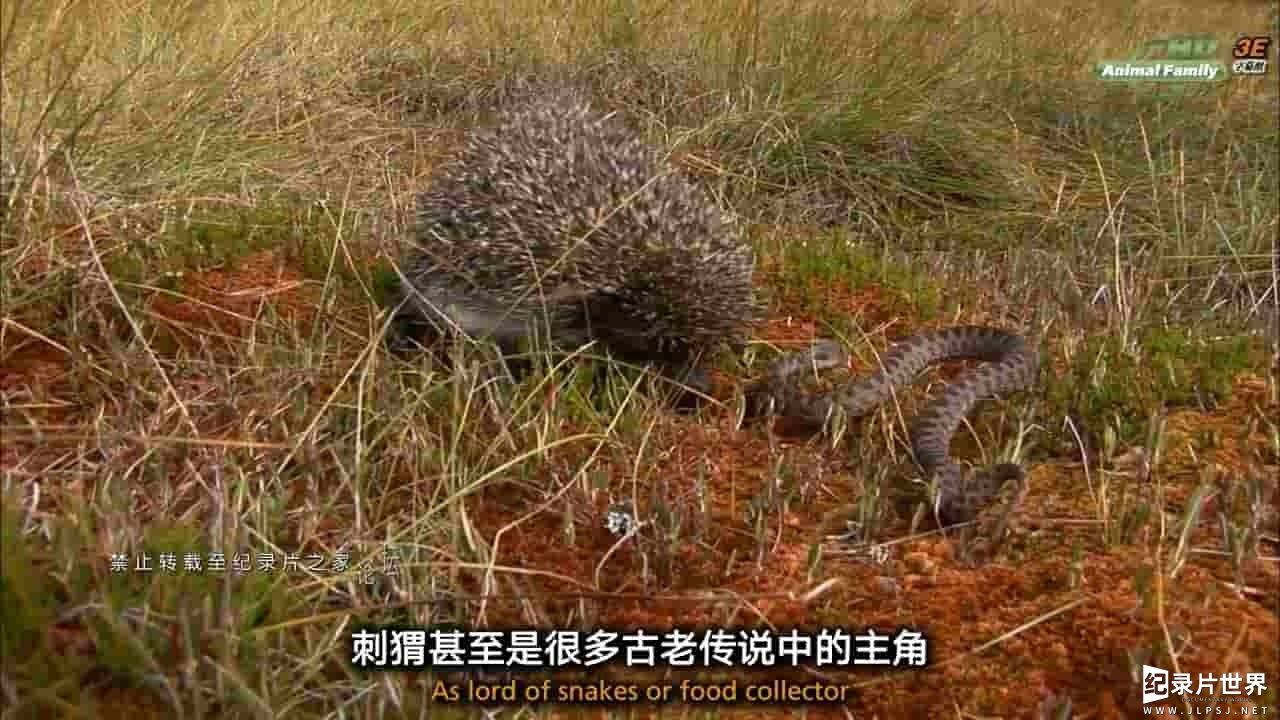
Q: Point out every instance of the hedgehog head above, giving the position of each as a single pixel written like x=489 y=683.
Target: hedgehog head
x=676 y=309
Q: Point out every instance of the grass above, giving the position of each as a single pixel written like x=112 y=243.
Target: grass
x=201 y=203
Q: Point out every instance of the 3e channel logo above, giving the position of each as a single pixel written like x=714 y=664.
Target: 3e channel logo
x=1249 y=55
x=1188 y=59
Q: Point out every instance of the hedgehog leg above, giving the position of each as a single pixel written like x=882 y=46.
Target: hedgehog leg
x=409 y=334
x=694 y=382
x=411 y=331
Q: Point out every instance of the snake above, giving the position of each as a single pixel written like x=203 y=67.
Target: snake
x=1010 y=364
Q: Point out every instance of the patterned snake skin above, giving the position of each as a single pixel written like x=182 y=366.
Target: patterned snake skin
x=1011 y=364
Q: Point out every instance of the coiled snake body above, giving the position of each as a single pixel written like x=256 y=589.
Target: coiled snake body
x=1010 y=365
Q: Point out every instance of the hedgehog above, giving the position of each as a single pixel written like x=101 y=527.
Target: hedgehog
x=558 y=219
